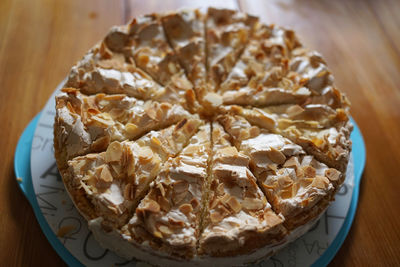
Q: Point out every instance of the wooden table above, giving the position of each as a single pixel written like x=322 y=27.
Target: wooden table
x=40 y=40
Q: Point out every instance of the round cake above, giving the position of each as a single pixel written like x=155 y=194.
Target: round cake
x=198 y=138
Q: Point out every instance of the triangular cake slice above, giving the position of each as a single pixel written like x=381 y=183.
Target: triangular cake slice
x=321 y=131
x=185 y=31
x=151 y=50
x=260 y=77
x=110 y=184
x=85 y=124
x=168 y=218
x=227 y=33
x=269 y=47
x=105 y=71
x=153 y=54
x=296 y=184
x=239 y=218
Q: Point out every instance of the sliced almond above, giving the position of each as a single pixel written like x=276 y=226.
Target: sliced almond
x=292 y=162
x=216 y=217
x=252 y=204
x=294 y=110
x=157 y=234
x=195 y=203
x=186 y=208
x=151 y=206
x=285 y=181
x=333 y=174
x=165 y=230
x=145 y=154
x=320 y=182
x=287 y=193
x=309 y=171
x=131 y=129
x=101 y=143
x=105 y=174
x=164 y=203
x=155 y=141
x=234 y=204
x=129 y=192
x=114 y=152
x=276 y=156
x=213 y=99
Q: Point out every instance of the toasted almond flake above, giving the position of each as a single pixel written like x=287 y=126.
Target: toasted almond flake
x=292 y=162
x=333 y=174
x=309 y=171
x=101 y=143
x=103 y=120
x=105 y=174
x=131 y=128
x=287 y=193
x=276 y=156
x=155 y=141
x=228 y=151
x=145 y=154
x=294 y=110
x=143 y=59
x=320 y=182
x=254 y=131
x=151 y=205
x=151 y=113
x=195 y=203
x=176 y=223
x=252 y=204
x=224 y=199
x=116 y=167
x=165 y=230
x=284 y=181
x=216 y=217
x=234 y=204
x=213 y=99
x=161 y=188
x=268 y=187
x=164 y=203
x=114 y=152
x=158 y=234
x=273 y=167
x=304 y=182
x=129 y=192
x=220 y=189
x=186 y=208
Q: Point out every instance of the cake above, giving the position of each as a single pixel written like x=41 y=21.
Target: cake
x=197 y=138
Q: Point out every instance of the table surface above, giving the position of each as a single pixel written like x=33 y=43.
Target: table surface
x=40 y=40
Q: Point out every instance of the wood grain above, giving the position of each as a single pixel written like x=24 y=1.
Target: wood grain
x=40 y=40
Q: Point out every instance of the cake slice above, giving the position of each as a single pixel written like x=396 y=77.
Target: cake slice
x=297 y=185
x=185 y=32
x=104 y=71
x=227 y=33
x=320 y=130
x=168 y=218
x=239 y=219
x=269 y=47
x=85 y=124
x=151 y=50
x=110 y=184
